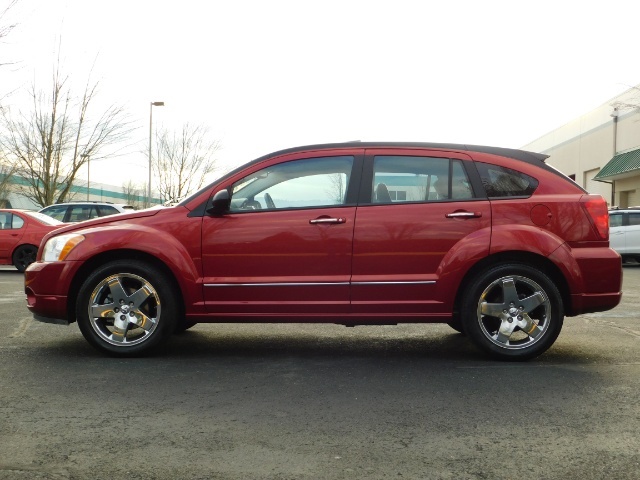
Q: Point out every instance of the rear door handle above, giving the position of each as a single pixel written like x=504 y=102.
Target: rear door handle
x=327 y=220
x=464 y=215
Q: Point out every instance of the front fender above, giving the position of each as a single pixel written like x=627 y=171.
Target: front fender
x=179 y=249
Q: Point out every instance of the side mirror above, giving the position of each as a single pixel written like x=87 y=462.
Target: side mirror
x=220 y=203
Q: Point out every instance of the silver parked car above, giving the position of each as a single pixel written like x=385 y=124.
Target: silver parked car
x=624 y=232
x=80 y=211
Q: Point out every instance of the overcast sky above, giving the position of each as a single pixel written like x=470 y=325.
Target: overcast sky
x=266 y=75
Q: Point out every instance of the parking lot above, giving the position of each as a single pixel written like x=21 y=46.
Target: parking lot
x=319 y=402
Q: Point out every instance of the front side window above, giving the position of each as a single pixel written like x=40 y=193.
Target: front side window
x=615 y=220
x=316 y=182
x=504 y=182
x=418 y=179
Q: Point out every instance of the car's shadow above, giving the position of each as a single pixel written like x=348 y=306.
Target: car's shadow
x=431 y=343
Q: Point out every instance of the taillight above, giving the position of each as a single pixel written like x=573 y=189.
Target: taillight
x=597 y=209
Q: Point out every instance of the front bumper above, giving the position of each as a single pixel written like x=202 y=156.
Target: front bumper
x=47 y=288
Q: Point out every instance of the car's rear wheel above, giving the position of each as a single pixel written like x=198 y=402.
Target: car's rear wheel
x=513 y=312
x=127 y=307
x=24 y=256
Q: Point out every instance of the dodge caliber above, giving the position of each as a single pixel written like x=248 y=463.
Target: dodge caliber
x=492 y=241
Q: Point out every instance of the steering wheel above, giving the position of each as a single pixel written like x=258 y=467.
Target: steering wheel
x=269 y=201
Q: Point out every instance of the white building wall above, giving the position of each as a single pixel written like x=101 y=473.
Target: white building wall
x=585 y=145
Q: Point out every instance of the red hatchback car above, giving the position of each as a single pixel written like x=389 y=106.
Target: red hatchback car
x=21 y=232
x=491 y=241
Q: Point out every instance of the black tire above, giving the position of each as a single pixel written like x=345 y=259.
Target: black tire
x=135 y=308
x=23 y=256
x=457 y=326
x=512 y=312
x=183 y=325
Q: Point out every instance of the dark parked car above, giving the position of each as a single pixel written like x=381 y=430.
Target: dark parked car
x=491 y=241
x=21 y=232
x=80 y=211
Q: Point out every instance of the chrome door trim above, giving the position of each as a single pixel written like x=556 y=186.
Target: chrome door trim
x=308 y=284
x=277 y=284
x=425 y=282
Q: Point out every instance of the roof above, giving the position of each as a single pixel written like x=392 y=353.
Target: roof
x=620 y=166
x=534 y=158
x=523 y=155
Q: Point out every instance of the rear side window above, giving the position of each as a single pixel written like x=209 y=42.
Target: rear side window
x=502 y=182
x=17 y=222
x=5 y=220
x=418 y=179
x=80 y=213
x=634 y=219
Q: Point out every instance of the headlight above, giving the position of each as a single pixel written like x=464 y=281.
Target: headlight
x=57 y=248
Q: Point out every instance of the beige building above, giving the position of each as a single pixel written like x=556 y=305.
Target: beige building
x=600 y=150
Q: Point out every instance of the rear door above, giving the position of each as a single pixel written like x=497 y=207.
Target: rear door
x=12 y=228
x=417 y=209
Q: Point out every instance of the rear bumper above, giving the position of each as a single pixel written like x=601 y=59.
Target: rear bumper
x=589 y=303
x=594 y=276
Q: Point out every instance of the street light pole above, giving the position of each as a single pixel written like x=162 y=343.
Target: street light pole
x=88 y=157
x=153 y=104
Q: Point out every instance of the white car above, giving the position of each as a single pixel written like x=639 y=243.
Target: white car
x=624 y=232
x=80 y=211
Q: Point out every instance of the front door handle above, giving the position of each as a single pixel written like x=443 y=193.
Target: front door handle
x=327 y=220
x=464 y=215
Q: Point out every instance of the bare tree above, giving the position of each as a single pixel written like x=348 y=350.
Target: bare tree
x=5 y=28
x=6 y=177
x=134 y=194
x=52 y=140
x=337 y=187
x=183 y=160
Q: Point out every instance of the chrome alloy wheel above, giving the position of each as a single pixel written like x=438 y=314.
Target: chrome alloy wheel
x=514 y=312
x=124 y=309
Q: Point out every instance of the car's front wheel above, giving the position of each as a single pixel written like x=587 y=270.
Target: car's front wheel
x=513 y=312
x=127 y=307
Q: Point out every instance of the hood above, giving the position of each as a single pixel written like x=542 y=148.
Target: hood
x=108 y=220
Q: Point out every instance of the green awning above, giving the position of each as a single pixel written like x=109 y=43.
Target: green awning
x=621 y=166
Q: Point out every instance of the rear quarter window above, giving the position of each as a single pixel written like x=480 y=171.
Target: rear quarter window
x=106 y=210
x=501 y=182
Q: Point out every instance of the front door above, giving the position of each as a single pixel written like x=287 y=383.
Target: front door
x=285 y=245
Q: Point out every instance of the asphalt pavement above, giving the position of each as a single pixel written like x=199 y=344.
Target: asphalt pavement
x=319 y=402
